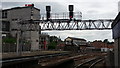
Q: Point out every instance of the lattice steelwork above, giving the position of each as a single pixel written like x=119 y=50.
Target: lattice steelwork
x=64 y=24
x=64 y=15
x=29 y=26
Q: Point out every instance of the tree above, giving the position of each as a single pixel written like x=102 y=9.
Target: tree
x=106 y=41
x=52 y=45
x=54 y=41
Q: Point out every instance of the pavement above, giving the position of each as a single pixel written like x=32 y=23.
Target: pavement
x=28 y=53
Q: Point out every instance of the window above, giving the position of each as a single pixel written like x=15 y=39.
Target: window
x=4 y=26
x=14 y=19
x=4 y=14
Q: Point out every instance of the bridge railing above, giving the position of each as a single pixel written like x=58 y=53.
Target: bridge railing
x=64 y=15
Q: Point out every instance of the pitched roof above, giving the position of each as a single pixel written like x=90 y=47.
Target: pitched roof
x=76 y=38
x=20 y=8
x=117 y=19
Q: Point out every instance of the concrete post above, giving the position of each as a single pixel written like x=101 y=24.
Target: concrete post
x=0 y=37
x=110 y=59
x=17 y=48
x=117 y=53
x=0 y=33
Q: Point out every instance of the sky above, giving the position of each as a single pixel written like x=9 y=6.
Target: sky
x=91 y=9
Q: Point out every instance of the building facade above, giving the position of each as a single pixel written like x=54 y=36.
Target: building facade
x=78 y=43
x=75 y=41
x=19 y=14
x=102 y=46
x=116 y=37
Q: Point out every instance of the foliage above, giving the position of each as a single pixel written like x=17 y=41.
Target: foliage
x=54 y=41
x=26 y=42
x=9 y=40
x=106 y=41
x=52 y=45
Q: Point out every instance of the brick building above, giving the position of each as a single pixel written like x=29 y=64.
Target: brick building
x=101 y=46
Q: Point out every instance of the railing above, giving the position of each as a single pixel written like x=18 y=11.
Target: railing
x=64 y=15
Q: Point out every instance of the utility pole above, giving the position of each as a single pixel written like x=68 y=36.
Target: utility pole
x=19 y=39
x=17 y=48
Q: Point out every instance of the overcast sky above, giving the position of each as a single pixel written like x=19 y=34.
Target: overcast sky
x=91 y=9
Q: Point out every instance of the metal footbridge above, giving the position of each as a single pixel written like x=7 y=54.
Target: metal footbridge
x=66 y=24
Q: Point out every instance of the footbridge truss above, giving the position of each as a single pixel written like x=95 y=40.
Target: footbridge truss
x=63 y=24
x=66 y=24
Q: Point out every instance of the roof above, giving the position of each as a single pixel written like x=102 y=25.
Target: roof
x=76 y=38
x=21 y=8
x=117 y=19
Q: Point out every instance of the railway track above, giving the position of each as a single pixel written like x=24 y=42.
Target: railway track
x=91 y=63
x=78 y=59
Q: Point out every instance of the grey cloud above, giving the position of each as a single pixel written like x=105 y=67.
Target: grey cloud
x=60 y=1
x=92 y=12
x=56 y=7
x=96 y=5
x=12 y=4
x=99 y=15
x=88 y=34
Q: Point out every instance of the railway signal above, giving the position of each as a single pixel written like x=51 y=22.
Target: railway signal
x=71 y=9
x=48 y=9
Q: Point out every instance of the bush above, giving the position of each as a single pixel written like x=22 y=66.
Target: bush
x=9 y=40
